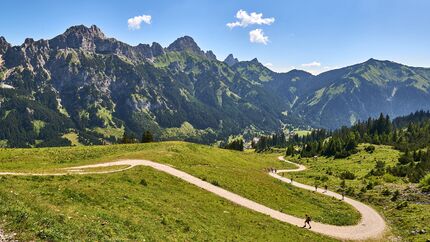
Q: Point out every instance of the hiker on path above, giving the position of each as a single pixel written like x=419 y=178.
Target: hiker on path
x=307 y=221
x=325 y=188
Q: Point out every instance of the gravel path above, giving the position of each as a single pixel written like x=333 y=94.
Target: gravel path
x=371 y=226
x=6 y=237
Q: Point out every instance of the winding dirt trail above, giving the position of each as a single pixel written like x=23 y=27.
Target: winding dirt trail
x=371 y=226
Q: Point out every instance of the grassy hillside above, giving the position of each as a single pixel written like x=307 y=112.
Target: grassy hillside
x=405 y=212
x=142 y=203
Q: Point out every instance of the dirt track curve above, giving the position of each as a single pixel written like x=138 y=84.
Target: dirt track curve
x=371 y=226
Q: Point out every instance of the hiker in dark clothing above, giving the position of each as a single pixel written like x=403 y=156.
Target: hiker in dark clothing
x=307 y=221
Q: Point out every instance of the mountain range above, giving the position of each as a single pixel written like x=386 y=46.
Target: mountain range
x=82 y=87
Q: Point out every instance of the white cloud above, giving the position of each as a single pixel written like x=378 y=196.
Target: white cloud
x=257 y=36
x=312 y=64
x=268 y=65
x=135 y=22
x=245 y=19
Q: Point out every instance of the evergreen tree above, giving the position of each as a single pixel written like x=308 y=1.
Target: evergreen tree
x=147 y=137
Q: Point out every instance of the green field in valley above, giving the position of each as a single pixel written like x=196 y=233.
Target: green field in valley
x=145 y=204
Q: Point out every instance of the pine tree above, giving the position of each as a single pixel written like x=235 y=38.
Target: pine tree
x=147 y=137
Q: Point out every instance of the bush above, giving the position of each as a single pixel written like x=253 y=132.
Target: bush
x=350 y=191
x=143 y=182
x=370 y=185
x=401 y=205
x=386 y=192
x=341 y=155
x=425 y=183
x=389 y=178
x=379 y=169
x=395 y=196
x=323 y=178
x=370 y=149
x=236 y=144
x=347 y=175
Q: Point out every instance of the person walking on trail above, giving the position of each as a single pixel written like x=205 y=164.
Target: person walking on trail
x=325 y=188
x=307 y=221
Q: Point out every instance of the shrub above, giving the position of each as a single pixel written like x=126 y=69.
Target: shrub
x=395 y=196
x=350 y=191
x=323 y=178
x=143 y=182
x=425 y=183
x=347 y=175
x=341 y=155
x=236 y=144
x=401 y=205
x=389 y=178
x=386 y=192
x=370 y=185
x=215 y=183
x=379 y=169
x=370 y=149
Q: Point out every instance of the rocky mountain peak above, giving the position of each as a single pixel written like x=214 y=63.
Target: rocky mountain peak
x=255 y=61
x=82 y=30
x=78 y=36
x=210 y=55
x=157 y=49
x=4 y=45
x=185 y=43
x=230 y=60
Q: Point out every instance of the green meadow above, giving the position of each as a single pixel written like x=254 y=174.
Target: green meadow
x=402 y=204
x=148 y=205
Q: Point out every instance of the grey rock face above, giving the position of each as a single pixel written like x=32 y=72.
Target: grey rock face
x=230 y=60
x=185 y=43
x=4 y=45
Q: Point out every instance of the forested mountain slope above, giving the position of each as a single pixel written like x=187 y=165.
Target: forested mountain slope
x=83 y=87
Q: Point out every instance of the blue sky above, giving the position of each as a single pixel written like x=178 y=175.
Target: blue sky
x=314 y=35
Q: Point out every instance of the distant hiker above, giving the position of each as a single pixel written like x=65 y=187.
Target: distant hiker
x=307 y=221
x=325 y=188
x=343 y=195
x=316 y=187
x=291 y=180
